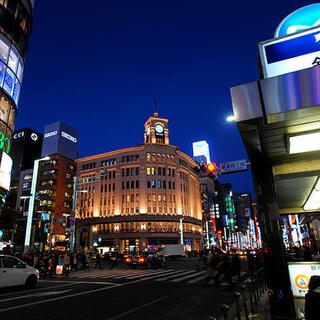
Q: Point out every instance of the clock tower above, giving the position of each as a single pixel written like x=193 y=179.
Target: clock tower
x=156 y=130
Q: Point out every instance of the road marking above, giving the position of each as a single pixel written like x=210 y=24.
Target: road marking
x=40 y=294
x=95 y=282
x=197 y=279
x=34 y=290
x=119 y=316
x=187 y=277
x=174 y=274
x=154 y=273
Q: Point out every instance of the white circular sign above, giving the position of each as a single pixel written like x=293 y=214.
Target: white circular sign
x=34 y=136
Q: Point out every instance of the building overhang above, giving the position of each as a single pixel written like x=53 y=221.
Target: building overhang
x=271 y=111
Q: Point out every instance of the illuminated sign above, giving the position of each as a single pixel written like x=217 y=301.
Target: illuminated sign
x=201 y=148
x=51 y=134
x=61 y=139
x=292 y=53
x=18 y=135
x=304 y=18
x=233 y=166
x=5 y=171
x=69 y=137
x=4 y=143
x=34 y=136
x=300 y=274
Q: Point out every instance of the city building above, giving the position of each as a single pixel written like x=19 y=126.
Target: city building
x=50 y=203
x=138 y=198
x=15 y=30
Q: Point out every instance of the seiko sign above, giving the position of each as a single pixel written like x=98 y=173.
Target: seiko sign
x=51 y=134
x=68 y=136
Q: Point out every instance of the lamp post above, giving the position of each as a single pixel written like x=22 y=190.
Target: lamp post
x=27 y=244
x=181 y=231
x=79 y=182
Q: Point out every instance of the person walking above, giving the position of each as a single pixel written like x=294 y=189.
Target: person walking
x=312 y=299
x=66 y=263
x=98 y=261
x=212 y=270
x=236 y=265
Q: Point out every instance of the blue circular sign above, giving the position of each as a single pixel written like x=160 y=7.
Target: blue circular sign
x=304 y=18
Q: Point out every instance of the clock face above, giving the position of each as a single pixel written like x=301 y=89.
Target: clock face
x=159 y=128
x=148 y=131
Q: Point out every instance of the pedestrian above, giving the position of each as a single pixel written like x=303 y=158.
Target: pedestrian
x=312 y=299
x=66 y=263
x=236 y=265
x=75 y=261
x=212 y=269
x=114 y=260
x=98 y=261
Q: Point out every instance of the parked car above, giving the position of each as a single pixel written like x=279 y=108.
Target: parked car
x=147 y=260
x=14 y=272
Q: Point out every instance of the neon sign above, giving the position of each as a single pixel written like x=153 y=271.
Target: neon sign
x=4 y=143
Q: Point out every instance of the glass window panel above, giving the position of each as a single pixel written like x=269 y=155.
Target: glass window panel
x=9 y=81
x=4 y=48
x=2 y=73
x=13 y=59
x=16 y=91
x=4 y=110
x=20 y=70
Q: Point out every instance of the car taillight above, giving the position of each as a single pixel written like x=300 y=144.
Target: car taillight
x=128 y=260
x=142 y=260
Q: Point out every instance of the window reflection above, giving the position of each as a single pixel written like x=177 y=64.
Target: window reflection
x=4 y=48
x=13 y=59
x=8 y=81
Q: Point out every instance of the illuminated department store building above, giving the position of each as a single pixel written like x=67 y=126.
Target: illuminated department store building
x=15 y=30
x=142 y=195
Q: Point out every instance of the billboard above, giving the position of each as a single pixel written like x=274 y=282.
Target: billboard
x=61 y=139
x=201 y=148
x=5 y=171
x=294 y=52
x=300 y=274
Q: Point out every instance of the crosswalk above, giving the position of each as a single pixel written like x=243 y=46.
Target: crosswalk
x=188 y=276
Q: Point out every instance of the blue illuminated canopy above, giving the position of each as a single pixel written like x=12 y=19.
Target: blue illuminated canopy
x=304 y=18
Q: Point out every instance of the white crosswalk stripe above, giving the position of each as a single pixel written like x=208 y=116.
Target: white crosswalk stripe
x=188 y=276
x=174 y=275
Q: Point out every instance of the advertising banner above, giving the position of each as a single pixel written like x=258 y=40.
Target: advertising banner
x=5 y=171
x=300 y=274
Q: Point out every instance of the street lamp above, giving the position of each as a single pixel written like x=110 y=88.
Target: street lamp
x=31 y=203
x=231 y=118
x=181 y=231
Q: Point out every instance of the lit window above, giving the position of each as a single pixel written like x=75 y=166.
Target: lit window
x=148 y=157
x=159 y=184
x=13 y=59
x=148 y=171
x=159 y=197
x=153 y=197
x=152 y=171
x=128 y=198
x=4 y=48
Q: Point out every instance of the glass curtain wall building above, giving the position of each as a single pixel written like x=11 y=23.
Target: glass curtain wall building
x=15 y=30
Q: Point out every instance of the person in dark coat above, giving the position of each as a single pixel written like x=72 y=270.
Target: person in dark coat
x=313 y=299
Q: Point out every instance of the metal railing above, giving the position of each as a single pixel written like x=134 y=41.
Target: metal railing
x=246 y=299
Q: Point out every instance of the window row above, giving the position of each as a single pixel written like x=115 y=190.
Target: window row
x=103 y=201
x=110 y=162
x=87 y=166
x=108 y=187
x=161 y=171
x=127 y=172
x=131 y=158
x=130 y=198
x=161 y=197
x=159 y=157
x=51 y=162
x=130 y=184
x=161 y=184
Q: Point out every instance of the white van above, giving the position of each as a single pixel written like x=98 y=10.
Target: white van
x=14 y=272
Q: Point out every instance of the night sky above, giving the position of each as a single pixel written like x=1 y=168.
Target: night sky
x=98 y=65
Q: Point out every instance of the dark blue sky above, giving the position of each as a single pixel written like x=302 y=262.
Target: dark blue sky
x=98 y=66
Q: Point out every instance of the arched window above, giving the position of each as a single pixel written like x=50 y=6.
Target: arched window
x=148 y=157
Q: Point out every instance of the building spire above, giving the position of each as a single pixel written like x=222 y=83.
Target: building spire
x=155 y=108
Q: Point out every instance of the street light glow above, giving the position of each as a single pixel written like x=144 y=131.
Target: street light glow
x=231 y=118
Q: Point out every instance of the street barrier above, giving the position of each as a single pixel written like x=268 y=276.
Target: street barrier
x=246 y=298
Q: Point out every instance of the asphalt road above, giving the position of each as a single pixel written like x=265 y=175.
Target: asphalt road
x=174 y=292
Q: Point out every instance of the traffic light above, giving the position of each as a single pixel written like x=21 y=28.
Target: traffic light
x=211 y=167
